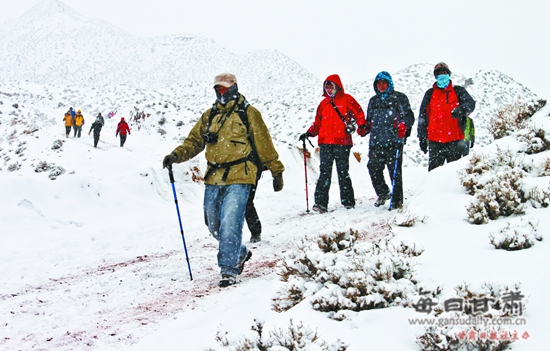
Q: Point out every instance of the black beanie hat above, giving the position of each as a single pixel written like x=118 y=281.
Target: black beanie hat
x=441 y=67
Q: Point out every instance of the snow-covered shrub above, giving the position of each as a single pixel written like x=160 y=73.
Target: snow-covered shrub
x=512 y=118
x=535 y=138
x=340 y=272
x=14 y=167
x=492 y=302
x=55 y=171
x=496 y=182
x=407 y=219
x=57 y=144
x=161 y=131
x=539 y=197
x=295 y=338
x=516 y=236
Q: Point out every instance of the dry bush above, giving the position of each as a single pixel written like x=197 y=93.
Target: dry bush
x=512 y=118
x=341 y=273
x=296 y=337
x=535 y=138
x=516 y=236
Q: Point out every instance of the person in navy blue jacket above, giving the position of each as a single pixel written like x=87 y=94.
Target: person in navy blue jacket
x=389 y=122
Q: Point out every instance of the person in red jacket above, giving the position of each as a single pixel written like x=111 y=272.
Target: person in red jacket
x=122 y=128
x=335 y=121
x=442 y=118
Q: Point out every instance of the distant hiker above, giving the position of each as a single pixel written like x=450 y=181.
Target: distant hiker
x=78 y=123
x=101 y=119
x=122 y=128
x=232 y=168
x=72 y=112
x=442 y=118
x=389 y=122
x=96 y=127
x=335 y=121
x=68 y=118
x=469 y=136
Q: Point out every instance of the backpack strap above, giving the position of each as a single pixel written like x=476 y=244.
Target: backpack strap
x=338 y=112
x=252 y=156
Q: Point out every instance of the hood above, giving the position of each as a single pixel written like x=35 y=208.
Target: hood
x=383 y=76
x=122 y=119
x=335 y=79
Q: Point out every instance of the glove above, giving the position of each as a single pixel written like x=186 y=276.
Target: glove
x=458 y=112
x=169 y=159
x=423 y=144
x=401 y=130
x=278 y=182
x=472 y=140
x=304 y=137
x=363 y=130
x=116 y=135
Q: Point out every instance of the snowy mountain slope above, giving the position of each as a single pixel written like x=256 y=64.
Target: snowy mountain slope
x=53 y=44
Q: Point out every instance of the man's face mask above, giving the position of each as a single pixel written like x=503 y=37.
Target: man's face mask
x=224 y=95
x=443 y=80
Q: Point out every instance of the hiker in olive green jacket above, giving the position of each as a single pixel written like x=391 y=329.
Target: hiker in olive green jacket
x=234 y=150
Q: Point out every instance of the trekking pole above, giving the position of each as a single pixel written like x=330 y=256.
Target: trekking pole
x=394 y=173
x=179 y=218
x=305 y=169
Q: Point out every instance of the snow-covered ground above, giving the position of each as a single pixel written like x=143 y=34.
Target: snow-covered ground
x=94 y=260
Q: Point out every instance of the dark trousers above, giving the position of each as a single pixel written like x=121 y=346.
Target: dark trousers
x=441 y=152
x=77 y=131
x=251 y=215
x=329 y=155
x=384 y=157
x=122 y=139
x=96 y=139
x=68 y=130
x=466 y=148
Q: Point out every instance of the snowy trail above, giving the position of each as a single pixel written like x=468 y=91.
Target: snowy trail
x=152 y=287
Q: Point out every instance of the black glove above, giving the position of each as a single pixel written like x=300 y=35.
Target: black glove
x=278 y=182
x=458 y=112
x=472 y=140
x=304 y=137
x=169 y=159
x=423 y=144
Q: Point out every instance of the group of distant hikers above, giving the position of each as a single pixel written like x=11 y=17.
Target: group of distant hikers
x=75 y=120
x=239 y=148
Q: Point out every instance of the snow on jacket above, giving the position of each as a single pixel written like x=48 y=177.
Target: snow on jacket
x=386 y=111
x=233 y=144
x=435 y=121
x=68 y=119
x=328 y=125
x=79 y=120
x=122 y=127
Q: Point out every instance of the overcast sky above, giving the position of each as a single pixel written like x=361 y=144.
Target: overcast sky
x=353 y=38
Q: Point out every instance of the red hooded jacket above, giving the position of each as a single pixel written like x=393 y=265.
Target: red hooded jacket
x=328 y=125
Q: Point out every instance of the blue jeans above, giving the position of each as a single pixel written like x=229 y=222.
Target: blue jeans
x=224 y=210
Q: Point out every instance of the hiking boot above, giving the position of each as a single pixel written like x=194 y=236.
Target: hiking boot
x=349 y=207
x=227 y=280
x=240 y=265
x=319 y=208
x=381 y=200
x=255 y=238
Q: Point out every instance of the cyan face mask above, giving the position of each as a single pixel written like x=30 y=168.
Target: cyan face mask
x=443 y=80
